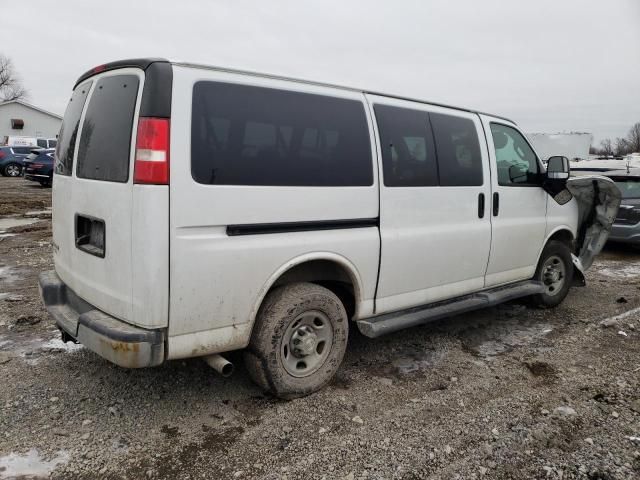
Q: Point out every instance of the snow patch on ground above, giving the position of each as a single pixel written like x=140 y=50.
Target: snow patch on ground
x=30 y=464
x=57 y=344
x=621 y=270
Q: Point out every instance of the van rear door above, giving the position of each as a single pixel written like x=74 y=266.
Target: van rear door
x=110 y=235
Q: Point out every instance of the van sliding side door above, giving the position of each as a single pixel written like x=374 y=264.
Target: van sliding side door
x=435 y=222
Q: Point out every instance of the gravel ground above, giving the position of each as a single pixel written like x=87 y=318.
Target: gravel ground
x=506 y=392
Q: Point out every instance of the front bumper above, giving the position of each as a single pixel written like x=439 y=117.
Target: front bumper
x=625 y=233
x=117 y=341
x=36 y=177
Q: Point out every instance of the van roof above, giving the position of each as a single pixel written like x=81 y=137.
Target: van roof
x=144 y=63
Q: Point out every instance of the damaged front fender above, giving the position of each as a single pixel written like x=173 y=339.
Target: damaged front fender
x=598 y=202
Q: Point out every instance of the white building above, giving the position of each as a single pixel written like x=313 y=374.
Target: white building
x=574 y=145
x=21 y=119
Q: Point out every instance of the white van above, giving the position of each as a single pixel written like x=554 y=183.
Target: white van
x=14 y=141
x=199 y=210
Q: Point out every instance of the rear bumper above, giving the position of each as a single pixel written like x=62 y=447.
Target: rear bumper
x=117 y=341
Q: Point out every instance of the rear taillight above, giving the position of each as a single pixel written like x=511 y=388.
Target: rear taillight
x=36 y=165
x=1 y=154
x=152 y=151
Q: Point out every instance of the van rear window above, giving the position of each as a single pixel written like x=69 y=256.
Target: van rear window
x=244 y=135
x=69 y=130
x=105 y=142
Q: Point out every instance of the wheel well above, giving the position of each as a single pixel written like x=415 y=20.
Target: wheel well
x=328 y=274
x=564 y=236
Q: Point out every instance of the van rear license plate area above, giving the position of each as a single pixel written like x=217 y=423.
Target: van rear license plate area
x=90 y=235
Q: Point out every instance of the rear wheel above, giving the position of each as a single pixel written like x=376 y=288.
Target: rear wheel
x=299 y=340
x=555 y=271
x=12 y=170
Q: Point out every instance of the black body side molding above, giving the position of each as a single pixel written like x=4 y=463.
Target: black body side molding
x=287 y=227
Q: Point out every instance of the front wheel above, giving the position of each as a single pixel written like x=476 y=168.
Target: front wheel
x=298 y=341
x=555 y=272
x=12 y=170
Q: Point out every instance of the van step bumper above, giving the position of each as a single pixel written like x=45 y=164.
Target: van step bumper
x=119 y=342
x=392 y=322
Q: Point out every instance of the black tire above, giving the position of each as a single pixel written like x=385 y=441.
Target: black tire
x=555 y=258
x=269 y=357
x=9 y=170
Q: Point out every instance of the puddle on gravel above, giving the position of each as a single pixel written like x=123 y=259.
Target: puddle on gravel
x=412 y=358
x=416 y=361
x=499 y=337
x=10 y=222
x=39 y=213
x=8 y=275
x=30 y=464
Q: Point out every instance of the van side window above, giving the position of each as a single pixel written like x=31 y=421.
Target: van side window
x=69 y=130
x=458 y=150
x=516 y=161
x=105 y=144
x=245 y=135
x=42 y=143
x=408 y=155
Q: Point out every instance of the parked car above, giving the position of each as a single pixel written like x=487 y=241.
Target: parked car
x=38 y=166
x=11 y=160
x=284 y=212
x=626 y=227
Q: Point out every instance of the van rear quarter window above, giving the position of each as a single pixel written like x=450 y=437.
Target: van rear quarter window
x=105 y=142
x=408 y=154
x=458 y=149
x=246 y=135
x=69 y=130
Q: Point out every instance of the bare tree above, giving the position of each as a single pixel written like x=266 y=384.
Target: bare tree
x=10 y=85
x=606 y=147
x=620 y=147
x=633 y=139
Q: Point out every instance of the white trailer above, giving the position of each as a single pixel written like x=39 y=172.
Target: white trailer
x=574 y=145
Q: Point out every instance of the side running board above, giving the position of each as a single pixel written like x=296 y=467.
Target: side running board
x=392 y=322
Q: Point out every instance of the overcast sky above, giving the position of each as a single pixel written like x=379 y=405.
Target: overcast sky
x=550 y=65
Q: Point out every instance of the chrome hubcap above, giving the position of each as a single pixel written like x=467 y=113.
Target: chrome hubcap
x=553 y=274
x=13 y=170
x=306 y=343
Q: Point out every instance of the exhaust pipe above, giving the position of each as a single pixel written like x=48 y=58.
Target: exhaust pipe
x=220 y=364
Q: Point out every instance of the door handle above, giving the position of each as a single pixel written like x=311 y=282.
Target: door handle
x=481 y=205
x=496 y=204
